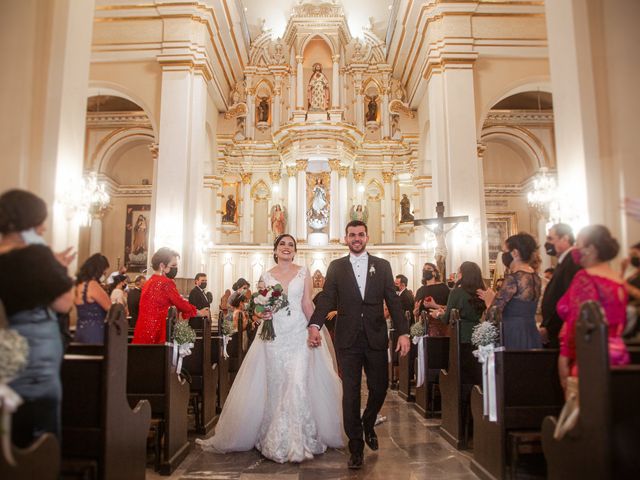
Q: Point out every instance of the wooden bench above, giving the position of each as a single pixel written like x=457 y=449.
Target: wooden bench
x=151 y=376
x=436 y=357
x=527 y=390
x=100 y=431
x=224 y=378
x=236 y=353
x=605 y=442
x=203 y=375
x=456 y=381
x=405 y=379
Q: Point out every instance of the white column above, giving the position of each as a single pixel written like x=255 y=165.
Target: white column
x=292 y=203
x=335 y=84
x=384 y=117
x=250 y=125
x=247 y=204
x=389 y=224
x=275 y=117
x=216 y=199
x=300 y=103
x=178 y=186
x=334 y=206
x=292 y=96
x=301 y=167
x=95 y=235
x=344 y=200
x=359 y=101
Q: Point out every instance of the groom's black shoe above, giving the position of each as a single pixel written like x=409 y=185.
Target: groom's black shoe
x=355 y=461
x=371 y=439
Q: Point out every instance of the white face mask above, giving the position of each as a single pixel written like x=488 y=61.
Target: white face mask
x=31 y=237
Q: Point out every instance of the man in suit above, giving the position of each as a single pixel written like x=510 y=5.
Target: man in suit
x=406 y=297
x=560 y=242
x=133 y=299
x=199 y=297
x=357 y=286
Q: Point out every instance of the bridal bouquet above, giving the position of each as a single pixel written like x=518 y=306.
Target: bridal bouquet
x=269 y=299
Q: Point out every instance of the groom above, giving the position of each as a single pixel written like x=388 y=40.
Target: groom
x=356 y=286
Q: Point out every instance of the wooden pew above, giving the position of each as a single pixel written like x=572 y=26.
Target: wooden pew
x=100 y=431
x=436 y=357
x=203 y=374
x=152 y=376
x=527 y=389
x=404 y=377
x=463 y=372
x=40 y=460
x=605 y=443
x=236 y=353
x=224 y=378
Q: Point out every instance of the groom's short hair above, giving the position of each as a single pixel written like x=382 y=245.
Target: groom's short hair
x=356 y=223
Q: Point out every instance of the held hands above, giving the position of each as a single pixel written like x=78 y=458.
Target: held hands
x=487 y=295
x=314 y=339
x=203 y=312
x=404 y=344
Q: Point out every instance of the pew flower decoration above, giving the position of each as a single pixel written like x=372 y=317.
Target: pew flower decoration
x=14 y=354
x=418 y=330
x=484 y=334
x=228 y=330
x=183 y=339
x=269 y=299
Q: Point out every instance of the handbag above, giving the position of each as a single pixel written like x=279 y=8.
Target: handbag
x=570 y=411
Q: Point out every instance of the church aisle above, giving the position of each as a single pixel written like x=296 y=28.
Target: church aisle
x=410 y=448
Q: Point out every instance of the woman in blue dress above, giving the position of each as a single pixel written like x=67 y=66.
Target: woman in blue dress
x=34 y=287
x=91 y=300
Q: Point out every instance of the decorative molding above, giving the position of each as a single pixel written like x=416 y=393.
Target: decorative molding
x=518 y=117
x=246 y=177
x=387 y=177
x=334 y=164
x=301 y=165
x=291 y=171
x=275 y=176
x=358 y=176
x=117 y=119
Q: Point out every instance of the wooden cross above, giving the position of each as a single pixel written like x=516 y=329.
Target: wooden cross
x=440 y=232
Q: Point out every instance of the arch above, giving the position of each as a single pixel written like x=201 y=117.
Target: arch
x=267 y=82
x=322 y=36
x=113 y=142
x=521 y=138
x=369 y=81
x=109 y=88
x=260 y=191
x=375 y=184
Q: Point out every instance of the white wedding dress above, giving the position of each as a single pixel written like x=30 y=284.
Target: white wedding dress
x=286 y=400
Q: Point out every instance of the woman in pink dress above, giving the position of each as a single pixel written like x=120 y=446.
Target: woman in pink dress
x=597 y=281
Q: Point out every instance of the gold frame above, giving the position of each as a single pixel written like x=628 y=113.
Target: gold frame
x=503 y=224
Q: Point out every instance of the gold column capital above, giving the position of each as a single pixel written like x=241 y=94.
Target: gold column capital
x=246 y=177
x=275 y=176
x=387 y=177
x=344 y=171
x=358 y=176
x=291 y=171
x=301 y=165
x=334 y=164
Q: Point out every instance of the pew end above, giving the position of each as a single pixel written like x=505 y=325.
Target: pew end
x=40 y=460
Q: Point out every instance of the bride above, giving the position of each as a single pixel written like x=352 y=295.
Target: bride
x=286 y=399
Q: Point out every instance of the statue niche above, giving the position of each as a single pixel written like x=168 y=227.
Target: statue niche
x=318 y=90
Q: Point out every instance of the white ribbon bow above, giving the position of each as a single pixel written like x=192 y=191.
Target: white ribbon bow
x=421 y=352
x=486 y=356
x=179 y=352
x=9 y=403
x=225 y=340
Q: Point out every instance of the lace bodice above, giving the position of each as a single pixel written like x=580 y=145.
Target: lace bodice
x=295 y=289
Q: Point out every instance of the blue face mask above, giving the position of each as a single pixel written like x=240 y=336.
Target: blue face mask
x=31 y=237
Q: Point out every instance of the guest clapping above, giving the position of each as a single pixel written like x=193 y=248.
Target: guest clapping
x=92 y=302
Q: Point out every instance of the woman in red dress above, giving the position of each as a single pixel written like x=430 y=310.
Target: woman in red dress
x=158 y=294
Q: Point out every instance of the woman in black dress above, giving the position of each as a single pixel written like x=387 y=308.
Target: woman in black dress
x=433 y=294
x=33 y=287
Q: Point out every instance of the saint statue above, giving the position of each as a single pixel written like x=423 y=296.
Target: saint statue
x=359 y=212
x=372 y=109
x=405 y=209
x=263 y=109
x=318 y=214
x=229 y=215
x=318 y=90
x=140 y=231
x=278 y=220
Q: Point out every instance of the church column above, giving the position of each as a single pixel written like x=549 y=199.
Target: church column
x=334 y=207
x=275 y=117
x=301 y=167
x=292 y=204
x=251 y=110
x=344 y=199
x=216 y=200
x=300 y=103
x=358 y=177
x=384 y=115
x=357 y=85
x=292 y=97
x=389 y=210
x=426 y=205
x=247 y=204
x=335 y=84
x=95 y=235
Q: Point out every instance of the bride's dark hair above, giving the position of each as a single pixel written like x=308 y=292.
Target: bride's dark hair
x=278 y=240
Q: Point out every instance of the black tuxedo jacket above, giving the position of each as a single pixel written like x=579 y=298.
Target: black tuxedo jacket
x=555 y=289
x=199 y=299
x=407 y=303
x=133 y=302
x=355 y=314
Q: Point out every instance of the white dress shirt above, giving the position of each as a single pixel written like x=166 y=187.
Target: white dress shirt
x=359 y=265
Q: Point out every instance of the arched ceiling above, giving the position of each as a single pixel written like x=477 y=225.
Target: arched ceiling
x=358 y=13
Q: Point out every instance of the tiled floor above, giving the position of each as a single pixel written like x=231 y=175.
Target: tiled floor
x=410 y=448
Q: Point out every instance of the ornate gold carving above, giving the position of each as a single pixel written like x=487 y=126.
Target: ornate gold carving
x=358 y=176
x=246 y=177
x=334 y=164
x=344 y=171
x=237 y=110
x=301 y=165
x=387 y=177
x=291 y=171
x=153 y=148
x=275 y=176
x=397 y=107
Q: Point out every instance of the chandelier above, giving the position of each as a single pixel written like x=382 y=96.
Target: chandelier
x=94 y=199
x=544 y=190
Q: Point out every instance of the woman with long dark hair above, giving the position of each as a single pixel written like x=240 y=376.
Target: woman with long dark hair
x=464 y=297
x=91 y=301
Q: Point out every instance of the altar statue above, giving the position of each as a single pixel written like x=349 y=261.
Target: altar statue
x=318 y=90
x=372 y=109
x=359 y=212
x=229 y=215
x=278 y=220
x=263 y=110
x=405 y=209
x=318 y=214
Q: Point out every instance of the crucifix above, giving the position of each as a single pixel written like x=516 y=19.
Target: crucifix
x=437 y=227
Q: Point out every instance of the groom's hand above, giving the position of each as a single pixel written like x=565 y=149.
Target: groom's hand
x=404 y=345
x=314 y=339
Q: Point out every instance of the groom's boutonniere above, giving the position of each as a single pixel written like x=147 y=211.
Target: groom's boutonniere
x=372 y=270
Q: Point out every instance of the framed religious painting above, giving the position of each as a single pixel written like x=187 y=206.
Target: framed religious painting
x=500 y=226
x=230 y=203
x=136 y=237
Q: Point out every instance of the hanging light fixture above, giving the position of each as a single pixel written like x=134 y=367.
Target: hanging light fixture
x=544 y=190
x=94 y=199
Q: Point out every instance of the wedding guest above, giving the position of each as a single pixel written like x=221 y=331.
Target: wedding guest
x=160 y=293
x=597 y=281
x=133 y=299
x=514 y=306
x=91 y=301
x=199 y=297
x=224 y=301
x=121 y=271
x=632 y=282
x=464 y=297
x=36 y=289
x=548 y=273
x=433 y=294
x=118 y=290
x=560 y=240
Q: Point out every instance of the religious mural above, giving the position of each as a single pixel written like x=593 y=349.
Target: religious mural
x=500 y=226
x=136 y=237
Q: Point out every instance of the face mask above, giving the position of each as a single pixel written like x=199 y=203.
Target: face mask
x=550 y=248
x=427 y=275
x=30 y=237
x=203 y=285
x=507 y=258
x=635 y=261
x=173 y=271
